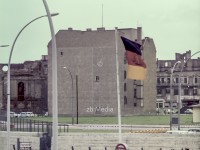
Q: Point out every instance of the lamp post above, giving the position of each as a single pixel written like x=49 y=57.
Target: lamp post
x=172 y=70
x=54 y=80
x=179 y=100
x=8 y=78
x=72 y=110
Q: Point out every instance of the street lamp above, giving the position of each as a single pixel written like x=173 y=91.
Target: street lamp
x=4 y=45
x=179 y=100
x=54 y=80
x=71 y=94
x=172 y=70
x=8 y=78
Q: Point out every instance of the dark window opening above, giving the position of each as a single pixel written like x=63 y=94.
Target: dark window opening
x=97 y=79
x=186 y=92
x=175 y=91
x=158 y=80
x=125 y=100
x=135 y=93
x=20 y=91
x=195 y=91
x=61 y=53
x=159 y=91
x=124 y=74
x=124 y=87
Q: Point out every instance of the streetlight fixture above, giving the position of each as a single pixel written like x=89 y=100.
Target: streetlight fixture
x=4 y=45
x=72 y=110
x=172 y=70
x=8 y=78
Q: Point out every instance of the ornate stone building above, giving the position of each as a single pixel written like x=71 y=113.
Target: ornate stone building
x=87 y=80
x=28 y=86
x=189 y=72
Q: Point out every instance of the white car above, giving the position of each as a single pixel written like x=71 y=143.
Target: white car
x=30 y=114
x=13 y=114
x=26 y=114
x=188 y=111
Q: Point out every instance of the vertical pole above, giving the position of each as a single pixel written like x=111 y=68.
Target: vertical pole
x=179 y=101
x=172 y=70
x=171 y=99
x=118 y=88
x=54 y=80
x=77 y=99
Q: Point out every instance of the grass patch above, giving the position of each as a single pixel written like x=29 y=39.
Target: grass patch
x=130 y=120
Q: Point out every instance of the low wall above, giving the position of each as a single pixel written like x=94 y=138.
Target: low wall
x=98 y=141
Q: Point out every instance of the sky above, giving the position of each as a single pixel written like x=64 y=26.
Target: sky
x=174 y=25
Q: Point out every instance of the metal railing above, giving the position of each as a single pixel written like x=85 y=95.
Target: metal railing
x=28 y=125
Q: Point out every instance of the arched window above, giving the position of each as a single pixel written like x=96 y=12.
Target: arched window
x=20 y=91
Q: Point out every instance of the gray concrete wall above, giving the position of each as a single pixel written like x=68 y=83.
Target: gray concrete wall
x=92 y=54
x=98 y=141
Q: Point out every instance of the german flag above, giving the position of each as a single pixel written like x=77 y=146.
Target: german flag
x=136 y=65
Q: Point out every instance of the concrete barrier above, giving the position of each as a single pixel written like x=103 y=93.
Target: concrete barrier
x=98 y=141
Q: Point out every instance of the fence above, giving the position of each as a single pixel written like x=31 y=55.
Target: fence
x=28 y=125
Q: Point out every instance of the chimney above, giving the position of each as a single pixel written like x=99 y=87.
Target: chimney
x=139 y=34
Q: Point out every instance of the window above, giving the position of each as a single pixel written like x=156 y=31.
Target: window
x=97 y=78
x=124 y=74
x=61 y=53
x=185 y=80
x=168 y=80
x=176 y=80
x=186 y=91
x=162 y=80
x=167 y=90
x=159 y=91
x=175 y=91
x=135 y=93
x=125 y=100
x=20 y=91
x=135 y=104
x=124 y=87
x=195 y=91
x=166 y=64
x=158 y=80
x=195 y=80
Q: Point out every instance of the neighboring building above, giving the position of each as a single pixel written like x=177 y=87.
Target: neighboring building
x=28 y=86
x=90 y=57
x=189 y=71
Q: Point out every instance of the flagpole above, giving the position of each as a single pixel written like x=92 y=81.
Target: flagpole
x=118 y=88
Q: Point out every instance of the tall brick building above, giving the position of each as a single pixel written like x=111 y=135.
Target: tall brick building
x=90 y=57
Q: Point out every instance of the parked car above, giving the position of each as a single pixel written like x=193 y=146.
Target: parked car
x=188 y=111
x=30 y=114
x=13 y=114
x=26 y=114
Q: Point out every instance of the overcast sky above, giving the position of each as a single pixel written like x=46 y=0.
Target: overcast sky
x=173 y=24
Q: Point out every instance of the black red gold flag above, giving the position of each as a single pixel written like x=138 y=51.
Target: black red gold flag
x=136 y=65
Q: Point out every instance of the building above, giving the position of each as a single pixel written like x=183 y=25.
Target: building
x=87 y=79
x=28 y=86
x=188 y=71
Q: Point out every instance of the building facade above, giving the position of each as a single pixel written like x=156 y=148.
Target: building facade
x=188 y=87
x=87 y=79
x=28 y=86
